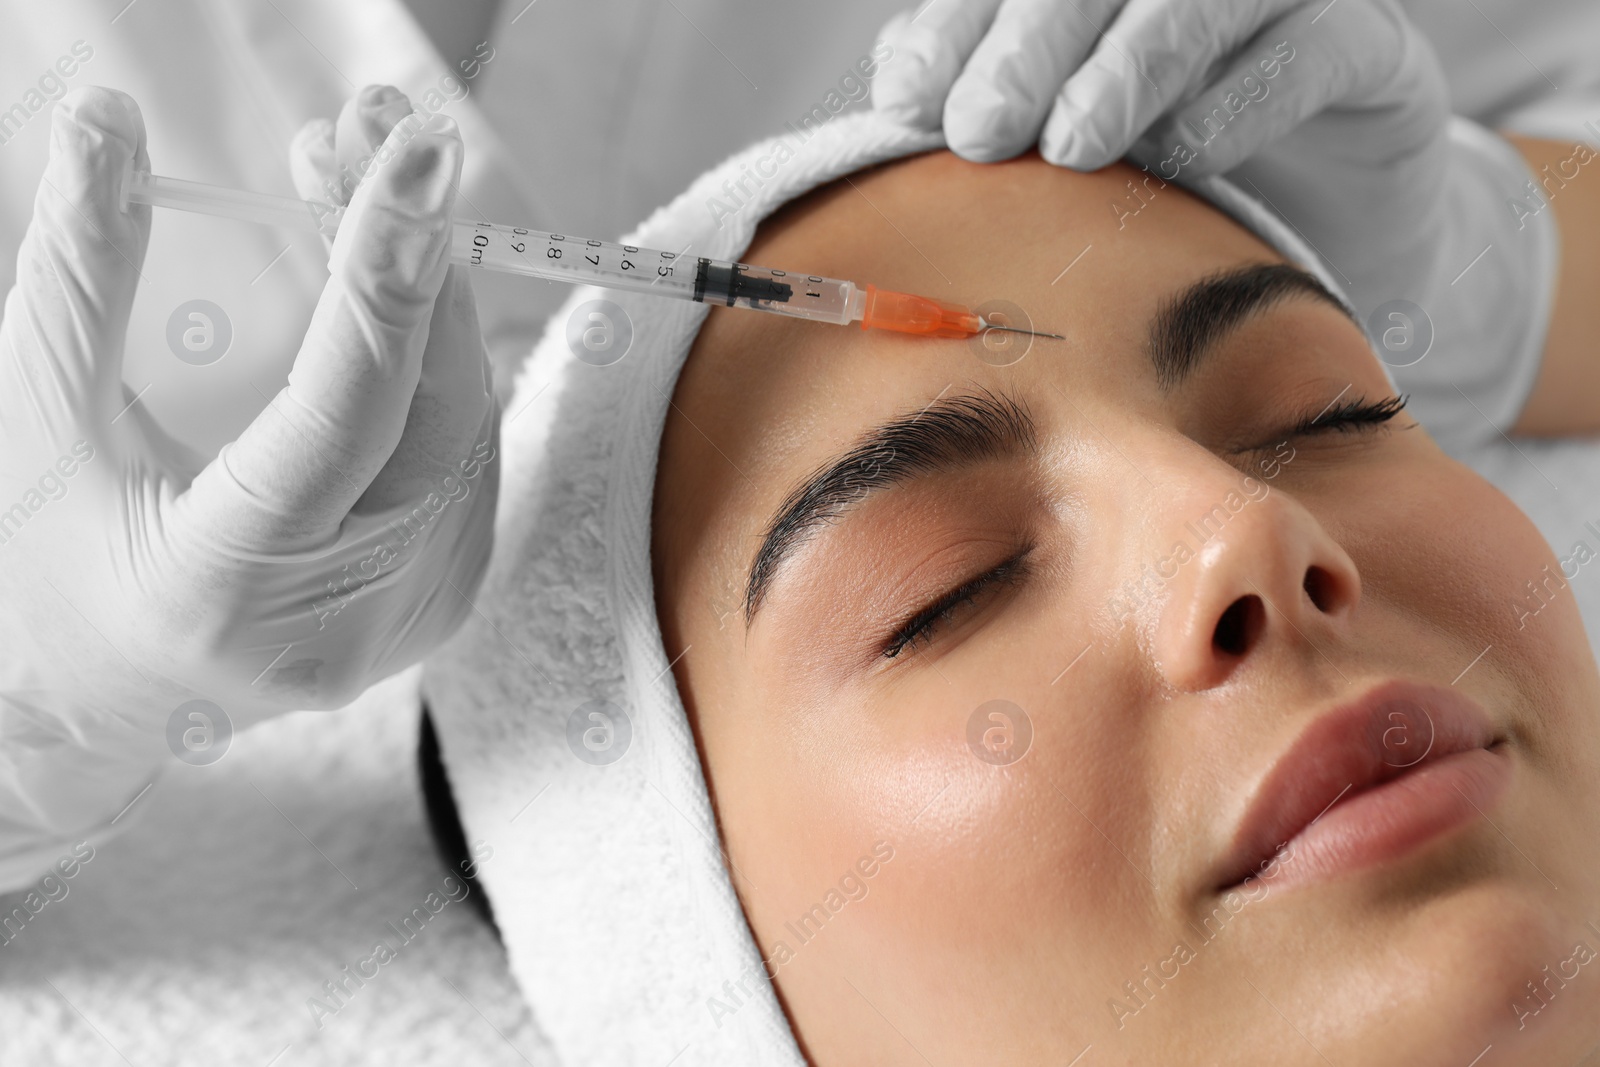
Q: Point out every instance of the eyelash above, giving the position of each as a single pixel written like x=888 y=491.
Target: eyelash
x=920 y=627
x=1351 y=416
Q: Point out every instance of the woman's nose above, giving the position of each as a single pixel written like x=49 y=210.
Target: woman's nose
x=1262 y=573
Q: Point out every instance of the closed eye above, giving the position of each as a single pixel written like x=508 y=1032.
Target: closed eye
x=924 y=624
x=1346 y=417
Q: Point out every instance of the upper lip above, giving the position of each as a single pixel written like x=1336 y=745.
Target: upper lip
x=1350 y=749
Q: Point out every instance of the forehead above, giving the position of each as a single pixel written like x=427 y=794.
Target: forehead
x=1090 y=256
x=763 y=399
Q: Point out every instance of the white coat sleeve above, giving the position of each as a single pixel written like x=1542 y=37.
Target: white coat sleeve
x=1527 y=66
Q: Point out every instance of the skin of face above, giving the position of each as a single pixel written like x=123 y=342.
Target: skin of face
x=1016 y=912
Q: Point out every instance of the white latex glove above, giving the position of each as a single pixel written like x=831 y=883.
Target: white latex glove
x=331 y=545
x=1336 y=114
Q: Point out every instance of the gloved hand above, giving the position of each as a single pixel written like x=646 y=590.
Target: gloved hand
x=1335 y=114
x=334 y=543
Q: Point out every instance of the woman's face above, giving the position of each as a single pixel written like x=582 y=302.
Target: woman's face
x=1156 y=698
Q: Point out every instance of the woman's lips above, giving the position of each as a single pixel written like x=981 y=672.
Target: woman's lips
x=1367 y=783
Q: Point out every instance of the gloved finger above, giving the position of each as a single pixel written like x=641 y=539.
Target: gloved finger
x=1346 y=59
x=1156 y=55
x=998 y=104
x=66 y=319
x=312 y=166
x=312 y=163
x=930 y=48
x=448 y=416
x=364 y=124
x=298 y=468
x=326 y=158
x=888 y=33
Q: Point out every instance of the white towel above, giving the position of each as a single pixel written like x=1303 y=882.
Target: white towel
x=608 y=882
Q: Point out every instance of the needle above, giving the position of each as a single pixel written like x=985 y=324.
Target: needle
x=986 y=325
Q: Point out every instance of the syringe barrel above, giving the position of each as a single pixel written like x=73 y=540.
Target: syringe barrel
x=573 y=260
x=539 y=254
x=580 y=261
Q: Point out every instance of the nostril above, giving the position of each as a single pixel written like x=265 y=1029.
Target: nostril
x=1239 y=626
x=1320 y=587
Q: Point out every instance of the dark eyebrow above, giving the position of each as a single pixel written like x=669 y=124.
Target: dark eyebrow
x=946 y=435
x=1188 y=324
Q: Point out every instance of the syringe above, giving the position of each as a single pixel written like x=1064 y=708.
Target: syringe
x=581 y=261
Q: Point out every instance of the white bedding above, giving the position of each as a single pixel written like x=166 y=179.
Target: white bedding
x=198 y=936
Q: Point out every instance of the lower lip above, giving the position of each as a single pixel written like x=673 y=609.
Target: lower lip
x=1391 y=820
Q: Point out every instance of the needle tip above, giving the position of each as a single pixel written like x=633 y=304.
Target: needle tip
x=985 y=324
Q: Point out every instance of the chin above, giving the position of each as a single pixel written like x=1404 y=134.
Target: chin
x=1496 y=965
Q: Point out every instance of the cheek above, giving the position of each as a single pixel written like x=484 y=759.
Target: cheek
x=1447 y=555
x=1446 y=545
x=992 y=860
